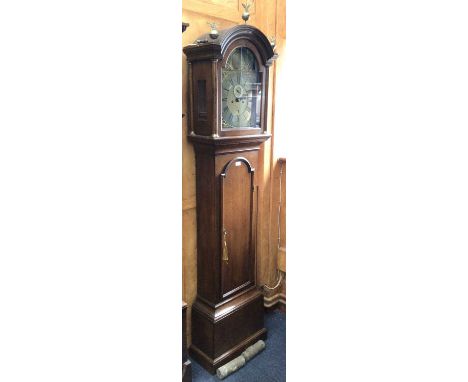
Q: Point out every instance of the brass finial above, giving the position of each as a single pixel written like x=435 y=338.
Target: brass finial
x=213 y=33
x=272 y=41
x=246 y=14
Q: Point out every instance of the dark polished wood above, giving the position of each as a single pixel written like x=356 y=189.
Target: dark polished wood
x=219 y=334
x=213 y=197
x=227 y=315
x=186 y=364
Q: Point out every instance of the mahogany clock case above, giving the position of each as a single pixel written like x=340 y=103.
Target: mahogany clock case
x=227 y=315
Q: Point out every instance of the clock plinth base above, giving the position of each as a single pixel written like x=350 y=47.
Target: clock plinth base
x=222 y=333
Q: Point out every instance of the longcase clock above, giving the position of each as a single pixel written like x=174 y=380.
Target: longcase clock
x=228 y=97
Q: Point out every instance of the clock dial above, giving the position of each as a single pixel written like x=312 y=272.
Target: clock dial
x=241 y=90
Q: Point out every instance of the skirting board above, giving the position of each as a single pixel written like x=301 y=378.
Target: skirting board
x=279 y=298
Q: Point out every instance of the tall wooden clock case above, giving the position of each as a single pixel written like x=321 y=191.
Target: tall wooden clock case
x=228 y=98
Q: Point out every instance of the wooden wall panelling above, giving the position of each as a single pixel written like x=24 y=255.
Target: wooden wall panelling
x=277 y=253
x=282 y=220
x=189 y=222
x=266 y=14
x=189 y=260
x=263 y=244
x=230 y=10
x=282 y=249
x=281 y=129
x=266 y=265
x=281 y=19
x=279 y=31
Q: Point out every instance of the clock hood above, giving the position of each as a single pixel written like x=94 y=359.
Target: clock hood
x=205 y=47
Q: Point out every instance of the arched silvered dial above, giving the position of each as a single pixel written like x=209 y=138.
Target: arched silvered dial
x=241 y=90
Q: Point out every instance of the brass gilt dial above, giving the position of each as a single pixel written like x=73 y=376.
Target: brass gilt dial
x=241 y=90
